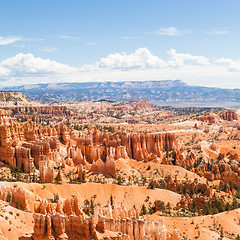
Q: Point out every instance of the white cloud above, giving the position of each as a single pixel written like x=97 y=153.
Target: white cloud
x=229 y=63
x=26 y=64
x=4 y=71
x=140 y=59
x=170 y=31
x=9 y=40
x=91 y=43
x=139 y=65
x=178 y=59
x=223 y=32
x=67 y=37
x=32 y=39
x=13 y=39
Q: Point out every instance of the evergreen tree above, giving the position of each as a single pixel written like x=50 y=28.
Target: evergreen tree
x=169 y=207
x=143 y=210
x=194 y=205
x=9 y=197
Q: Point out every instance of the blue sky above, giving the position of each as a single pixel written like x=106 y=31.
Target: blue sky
x=74 y=40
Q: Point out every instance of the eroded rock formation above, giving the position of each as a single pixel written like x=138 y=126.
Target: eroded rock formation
x=229 y=115
x=208 y=119
x=17 y=197
x=29 y=145
x=46 y=171
x=75 y=224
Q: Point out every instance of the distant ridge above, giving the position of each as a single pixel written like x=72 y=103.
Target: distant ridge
x=166 y=93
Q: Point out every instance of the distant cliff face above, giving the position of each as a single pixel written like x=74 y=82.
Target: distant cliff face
x=11 y=99
x=11 y=96
x=136 y=105
x=167 y=93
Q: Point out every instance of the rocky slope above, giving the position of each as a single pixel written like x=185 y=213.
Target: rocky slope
x=15 y=99
x=175 y=178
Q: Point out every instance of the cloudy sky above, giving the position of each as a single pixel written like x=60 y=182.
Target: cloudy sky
x=105 y=40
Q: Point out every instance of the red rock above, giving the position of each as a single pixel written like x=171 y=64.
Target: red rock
x=68 y=207
x=209 y=176
x=19 y=197
x=46 y=172
x=72 y=226
x=209 y=119
x=214 y=147
x=81 y=173
x=229 y=115
x=136 y=105
x=59 y=207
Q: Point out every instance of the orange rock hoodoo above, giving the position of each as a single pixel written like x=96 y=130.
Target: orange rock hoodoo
x=70 y=222
x=209 y=119
x=17 y=197
x=227 y=173
x=136 y=146
x=50 y=110
x=29 y=145
x=229 y=115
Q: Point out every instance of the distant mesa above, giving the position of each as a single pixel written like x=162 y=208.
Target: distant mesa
x=162 y=93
